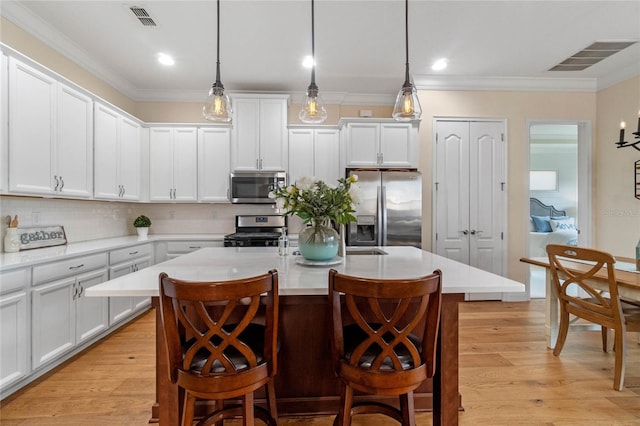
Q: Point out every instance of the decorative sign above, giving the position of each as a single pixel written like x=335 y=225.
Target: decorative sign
x=41 y=236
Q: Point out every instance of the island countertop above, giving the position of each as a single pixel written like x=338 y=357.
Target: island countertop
x=304 y=315
x=221 y=264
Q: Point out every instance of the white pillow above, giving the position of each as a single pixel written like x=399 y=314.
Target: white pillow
x=567 y=224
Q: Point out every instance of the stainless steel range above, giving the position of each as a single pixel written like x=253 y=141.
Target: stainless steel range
x=256 y=231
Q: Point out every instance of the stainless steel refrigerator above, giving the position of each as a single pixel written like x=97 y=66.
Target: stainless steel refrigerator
x=390 y=210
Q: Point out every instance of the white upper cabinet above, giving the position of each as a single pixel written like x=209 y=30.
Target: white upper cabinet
x=380 y=143
x=50 y=128
x=173 y=171
x=314 y=151
x=74 y=147
x=117 y=144
x=259 y=135
x=213 y=163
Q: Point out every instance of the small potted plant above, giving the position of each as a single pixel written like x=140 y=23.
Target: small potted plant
x=142 y=224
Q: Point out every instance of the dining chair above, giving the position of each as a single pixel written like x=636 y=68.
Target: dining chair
x=383 y=340
x=221 y=341
x=598 y=307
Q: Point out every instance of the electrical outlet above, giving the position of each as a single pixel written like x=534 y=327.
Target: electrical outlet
x=35 y=218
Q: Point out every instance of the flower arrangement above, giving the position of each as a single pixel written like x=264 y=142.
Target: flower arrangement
x=315 y=202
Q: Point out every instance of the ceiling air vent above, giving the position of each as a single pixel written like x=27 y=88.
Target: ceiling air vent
x=143 y=16
x=591 y=55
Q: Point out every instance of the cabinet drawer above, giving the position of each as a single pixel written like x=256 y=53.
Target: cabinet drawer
x=181 y=247
x=128 y=253
x=14 y=280
x=65 y=268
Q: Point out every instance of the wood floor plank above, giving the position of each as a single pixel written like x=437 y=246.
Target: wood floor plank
x=507 y=377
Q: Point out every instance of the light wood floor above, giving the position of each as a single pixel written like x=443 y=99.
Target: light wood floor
x=507 y=377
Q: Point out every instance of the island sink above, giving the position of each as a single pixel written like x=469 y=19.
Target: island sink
x=367 y=251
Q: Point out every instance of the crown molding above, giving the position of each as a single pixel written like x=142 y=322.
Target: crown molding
x=429 y=82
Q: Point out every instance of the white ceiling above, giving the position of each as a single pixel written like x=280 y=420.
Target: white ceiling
x=359 y=44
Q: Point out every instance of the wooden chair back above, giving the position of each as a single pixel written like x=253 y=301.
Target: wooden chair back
x=598 y=307
x=221 y=338
x=378 y=344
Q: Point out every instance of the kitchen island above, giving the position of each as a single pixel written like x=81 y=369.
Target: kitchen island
x=305 y=384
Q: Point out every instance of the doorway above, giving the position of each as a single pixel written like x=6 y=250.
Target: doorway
x=559 y=178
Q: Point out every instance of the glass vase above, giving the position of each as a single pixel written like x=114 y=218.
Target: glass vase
x=319 y=241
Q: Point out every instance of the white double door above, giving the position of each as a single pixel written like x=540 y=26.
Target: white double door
x=470 y=194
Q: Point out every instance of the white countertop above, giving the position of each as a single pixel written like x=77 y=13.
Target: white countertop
x=218 y=263
x=30 y=257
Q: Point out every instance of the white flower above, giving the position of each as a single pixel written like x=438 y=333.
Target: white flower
x=355 y=193
x=305 y=183
x=280 y=203
x=272 y=195
x=353 y=178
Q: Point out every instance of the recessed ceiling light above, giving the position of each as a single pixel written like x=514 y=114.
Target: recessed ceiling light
x=440 y=64
x=307 y=62
x=165 y=59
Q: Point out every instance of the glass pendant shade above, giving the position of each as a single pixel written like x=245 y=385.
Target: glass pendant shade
x=218 y=106
x=407 y=106
x=313 y=110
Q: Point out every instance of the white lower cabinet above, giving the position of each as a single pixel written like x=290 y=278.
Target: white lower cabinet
x=14 y=327
x=62 y=317
x=123 y=262
x=45 y=317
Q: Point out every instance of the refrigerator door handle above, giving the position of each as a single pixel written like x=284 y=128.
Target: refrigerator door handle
x=382 y=214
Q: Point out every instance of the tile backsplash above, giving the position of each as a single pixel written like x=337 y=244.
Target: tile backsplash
x=85 y=220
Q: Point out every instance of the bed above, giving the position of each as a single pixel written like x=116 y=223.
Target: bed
x=549 y=226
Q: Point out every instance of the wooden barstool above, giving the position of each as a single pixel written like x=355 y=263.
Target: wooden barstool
x=374 y=347
x=219 y=347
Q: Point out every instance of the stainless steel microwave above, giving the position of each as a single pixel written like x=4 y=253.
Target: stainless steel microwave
x=254 y=187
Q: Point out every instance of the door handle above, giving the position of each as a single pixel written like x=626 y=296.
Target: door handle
x=465 y=232
x=474 y=232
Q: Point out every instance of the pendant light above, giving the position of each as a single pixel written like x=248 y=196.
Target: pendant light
x=218 y=105
x=313 y=111
x=407 y=105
